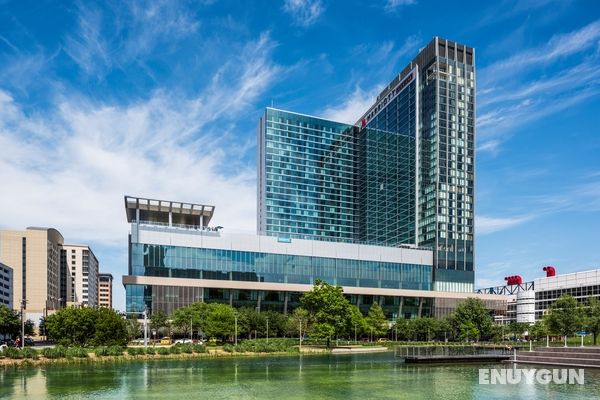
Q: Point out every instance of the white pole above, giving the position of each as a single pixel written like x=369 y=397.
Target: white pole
x=22 y=324
x=547 y=341
x=300 y=336
x=267 y=330
x=581 y=340
x=565 y=340
x=530 y=345
x=145 y=326
x=236 y=329
x=191 y=331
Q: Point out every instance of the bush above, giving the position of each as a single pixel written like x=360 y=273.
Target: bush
x=150 y=351
x=163 y=351
x=175 y=350
x=185 y=348
x=229 y=348
x=115 y=351
x=199 y=348
x=54 y=352
x=101 y=351
x=30 y=353
x=261 y=346
x=77 y=352
x=12 y=352
x=135 y=351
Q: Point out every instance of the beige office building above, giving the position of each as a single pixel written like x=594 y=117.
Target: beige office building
x=105 y=290
x=34 y=255
x=82 y=274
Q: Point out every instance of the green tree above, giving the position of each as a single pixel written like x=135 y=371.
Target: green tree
x=183 y=319
x=565 y=316
x=299 y=320
x=158 y=321
x=133 y=328
x=405 y=329
x=425 y=328
x=328 y=309
x=376 y=321
x=357 y=324
x=592 y=317
x=538 y=330
x=110 y=329
x=86 y=326
x=251 y=322
x=277 y=323
x=470 y=314
x=220 y=321
x=469 y=331
x=10 y=323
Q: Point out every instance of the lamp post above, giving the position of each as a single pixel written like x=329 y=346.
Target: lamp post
x=267 y=330
x=300 y=335
x=355 y=333
x=23 y=302
x=236 y=317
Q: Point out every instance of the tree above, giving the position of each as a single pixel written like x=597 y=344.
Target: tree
x=565 y=316
x=425 y=328
x=299 y=322
x=110 y=329
x=158 y=320
x=538 y=330
x=183 y=319
x=470 y=314
x=405 y=329
x=376 y=321
x=10 y=323
x=133 y=328
x=250 y=322
x=220 y=321
x=328 y=308
x=85 y=326
x=592 y=317
x=469 y=331
x=357 y=324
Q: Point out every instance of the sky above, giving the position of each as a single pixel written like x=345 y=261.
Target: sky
x=161 y=99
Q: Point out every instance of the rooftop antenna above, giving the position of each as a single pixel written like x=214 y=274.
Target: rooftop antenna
x=272 y=103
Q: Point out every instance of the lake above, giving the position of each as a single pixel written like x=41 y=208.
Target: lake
x=367 y=376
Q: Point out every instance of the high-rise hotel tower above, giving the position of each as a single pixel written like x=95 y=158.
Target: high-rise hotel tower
x=402 y=175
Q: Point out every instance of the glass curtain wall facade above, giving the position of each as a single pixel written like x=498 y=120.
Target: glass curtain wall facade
x=445 y=104
x=307 y=172
x=387 y=167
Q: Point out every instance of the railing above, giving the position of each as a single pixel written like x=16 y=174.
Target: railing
x=451 y=351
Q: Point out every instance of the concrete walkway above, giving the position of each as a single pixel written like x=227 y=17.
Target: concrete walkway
x=583 y=357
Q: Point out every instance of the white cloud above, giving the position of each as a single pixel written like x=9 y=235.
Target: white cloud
x=304 y=12
x=485 y=225
x=353 y=107
x=392 y=5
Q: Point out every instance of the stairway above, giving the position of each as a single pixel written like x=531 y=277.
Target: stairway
x=588 y=357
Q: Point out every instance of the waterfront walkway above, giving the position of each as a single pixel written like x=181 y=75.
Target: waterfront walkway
x=583 y=357
x=451 y=354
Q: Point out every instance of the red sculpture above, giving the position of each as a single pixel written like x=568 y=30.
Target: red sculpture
x=550 y=271
x=513 y=280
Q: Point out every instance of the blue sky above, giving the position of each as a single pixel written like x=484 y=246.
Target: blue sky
x=161 y=99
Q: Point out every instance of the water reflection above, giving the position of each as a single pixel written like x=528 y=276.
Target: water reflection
x=325 y=376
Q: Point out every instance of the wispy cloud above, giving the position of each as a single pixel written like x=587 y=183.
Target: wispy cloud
x=394 y=5
x=354 y=106
x=485 y=225
x=304 y=12
x=536 y=82
x=122 y=33
x=165 y=145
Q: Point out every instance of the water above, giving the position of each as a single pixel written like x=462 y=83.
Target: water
x=369 y=376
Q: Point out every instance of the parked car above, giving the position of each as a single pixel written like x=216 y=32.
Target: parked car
x=166 y=340
x=382 y=340
x=29 y=341
x=8 y=342
x=183 y=341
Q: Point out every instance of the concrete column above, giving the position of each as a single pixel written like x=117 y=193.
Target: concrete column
x=285 y=302
x=170 y=218
x=400 y=315
x=420 y=306
x=258 y=301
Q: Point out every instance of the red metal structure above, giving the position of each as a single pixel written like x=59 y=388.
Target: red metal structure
x=513 y=280
x=550 y=271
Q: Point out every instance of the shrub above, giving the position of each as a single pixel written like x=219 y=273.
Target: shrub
x=30 y=353
x=199 y=348
x=185 y=348
x=115 y=351
x=134 y=351
x=12 y=352
x=175 y=349
x=261 y=346
x=229 y=348
x=77 y=352
x=150 y=351
x=54 y=352
x=101 y=351
x=163 y=351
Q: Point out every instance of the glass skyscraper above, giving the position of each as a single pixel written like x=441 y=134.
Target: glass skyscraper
x=402 y=175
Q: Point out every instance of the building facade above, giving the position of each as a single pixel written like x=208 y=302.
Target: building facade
x=403 y=174
x=82 y=274
x=34 y=255
x=6 y=286
x=105 y=282
x=174 y=265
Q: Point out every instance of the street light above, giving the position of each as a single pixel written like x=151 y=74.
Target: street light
x=267 y=330
x=236 y=316
x=23 y=303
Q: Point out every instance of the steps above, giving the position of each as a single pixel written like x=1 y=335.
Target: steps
x=588 y=357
